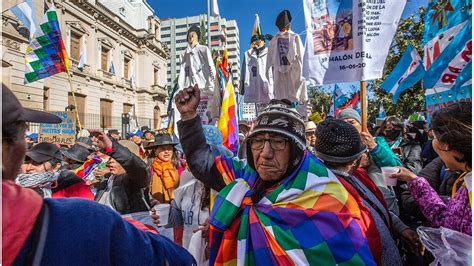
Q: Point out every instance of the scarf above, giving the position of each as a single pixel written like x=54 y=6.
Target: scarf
x=165 y=179
x=44 y=181
x=307 y=218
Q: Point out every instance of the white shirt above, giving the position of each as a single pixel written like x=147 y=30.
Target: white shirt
x=257 y=87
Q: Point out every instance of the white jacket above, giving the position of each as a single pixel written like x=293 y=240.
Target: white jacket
x=198 y=68
x=257 y=87
x=285 y=55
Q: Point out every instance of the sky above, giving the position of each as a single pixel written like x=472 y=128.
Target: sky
x=243 y=11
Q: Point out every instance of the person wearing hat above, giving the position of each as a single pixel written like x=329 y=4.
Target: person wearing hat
x=114 y=134
x=285 y=62
x=339 y=146
x=164 y=168
x=379 y=155
x=310 y=132
x=274 y=197
x=124 y=187
x=31 y=139
x=255 y=86
x=59 y=231
x=46 y=158
x=137 y=137
x=76 y=155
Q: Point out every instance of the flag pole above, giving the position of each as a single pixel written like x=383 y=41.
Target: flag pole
x=209 y=24
x=363 y=104
x=74 y=99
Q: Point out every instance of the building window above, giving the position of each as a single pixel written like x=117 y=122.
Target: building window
x=165 y=35
x=75 y=46
x=81 y=104
x=156 y=76
x=127 y=108
x=46 y=91
x=181 y=26
x=165 y=28
x=126 y=67
x=105 y=113
x=104 y=59
x=181 y=33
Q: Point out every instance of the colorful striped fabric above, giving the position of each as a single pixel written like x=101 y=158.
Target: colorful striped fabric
x=46 y=54
x=86 y=169
x=228 y=119
x=308 y=218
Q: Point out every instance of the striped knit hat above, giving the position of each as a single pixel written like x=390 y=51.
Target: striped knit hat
x=279 y=118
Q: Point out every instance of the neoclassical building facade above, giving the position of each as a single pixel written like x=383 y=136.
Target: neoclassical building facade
x=124 y=62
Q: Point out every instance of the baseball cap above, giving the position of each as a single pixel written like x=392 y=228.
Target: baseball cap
x=13 y=112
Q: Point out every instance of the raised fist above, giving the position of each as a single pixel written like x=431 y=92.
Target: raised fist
x=187 y=102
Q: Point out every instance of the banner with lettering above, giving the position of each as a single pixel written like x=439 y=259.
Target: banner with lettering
x=348 y=40
x=63 y=133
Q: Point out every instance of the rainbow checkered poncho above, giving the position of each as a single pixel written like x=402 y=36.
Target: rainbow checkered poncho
x=309 y=218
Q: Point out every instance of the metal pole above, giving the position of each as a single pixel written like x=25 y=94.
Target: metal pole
x=209 y=24
x=363 y=105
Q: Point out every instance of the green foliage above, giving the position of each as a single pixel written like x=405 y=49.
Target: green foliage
x=319 y=99
x=202 y=29
x=410 y=30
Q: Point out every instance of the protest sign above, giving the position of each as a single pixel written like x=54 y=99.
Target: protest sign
x=348 y=40
x=63 y=133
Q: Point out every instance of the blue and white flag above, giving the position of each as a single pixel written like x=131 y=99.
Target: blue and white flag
x=381 y=111
x=339 y=97
x=82 y=56
x=443 y=20
x=463 y=85
x=26 y=14
x=450 y=63
x=111 y=64
x=406 y=73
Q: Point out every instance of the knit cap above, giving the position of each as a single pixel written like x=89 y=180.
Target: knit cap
x=349 y=113
x=338 y=142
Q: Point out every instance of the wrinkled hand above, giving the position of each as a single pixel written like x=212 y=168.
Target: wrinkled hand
x=100 y=140
x=413 y=240
x=187 y=102
x=155 y=218
x=404 y=175
x=368 y=140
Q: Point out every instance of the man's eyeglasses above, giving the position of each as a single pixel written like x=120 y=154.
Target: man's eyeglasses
x=310 y=133
x=277 y=144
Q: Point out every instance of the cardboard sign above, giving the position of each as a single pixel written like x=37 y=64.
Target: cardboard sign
x=63 y=133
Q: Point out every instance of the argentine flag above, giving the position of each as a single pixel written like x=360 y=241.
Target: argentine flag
x=407 y=73
x=26 y=14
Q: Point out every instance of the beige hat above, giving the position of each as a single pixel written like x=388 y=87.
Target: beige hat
x=131 y=146
x=310 y=126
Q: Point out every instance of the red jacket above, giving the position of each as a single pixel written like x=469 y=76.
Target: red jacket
x=71 y=186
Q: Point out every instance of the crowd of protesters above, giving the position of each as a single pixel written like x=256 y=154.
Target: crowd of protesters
x=320 y=189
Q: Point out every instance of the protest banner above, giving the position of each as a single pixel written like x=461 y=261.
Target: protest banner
x=63 y=133
x=348 y=40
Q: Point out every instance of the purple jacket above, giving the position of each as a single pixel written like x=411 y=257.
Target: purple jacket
x=455 y=214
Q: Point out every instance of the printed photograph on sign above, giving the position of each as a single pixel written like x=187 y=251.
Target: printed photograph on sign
x=332 y=26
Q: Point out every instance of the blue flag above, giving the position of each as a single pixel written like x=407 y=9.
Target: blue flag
x=406 y=73
x=463 y=86
x=25 y=12
x=445 y=70
x=443 y=20
x=381 y=111
x=442 y=15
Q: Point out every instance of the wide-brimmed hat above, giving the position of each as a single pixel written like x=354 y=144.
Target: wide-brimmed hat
x=160 y=140
x=77 y=152
x=338 y=141
x=43 y=152
x=131 y=146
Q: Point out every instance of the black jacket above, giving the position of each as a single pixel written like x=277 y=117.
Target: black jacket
x=128 y=193
x=198 y=154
